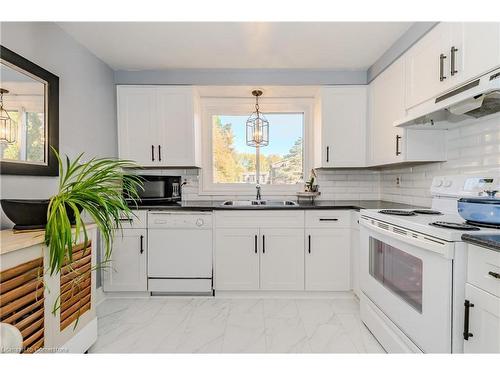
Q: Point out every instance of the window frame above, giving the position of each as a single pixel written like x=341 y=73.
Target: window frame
x=239 y=106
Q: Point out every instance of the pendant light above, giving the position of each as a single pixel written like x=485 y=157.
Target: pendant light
x=7 y=125
x=257 y=125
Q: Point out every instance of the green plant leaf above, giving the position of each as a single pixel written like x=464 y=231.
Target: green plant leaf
x=96 y=187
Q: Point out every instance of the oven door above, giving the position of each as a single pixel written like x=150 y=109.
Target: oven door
x=409 y=277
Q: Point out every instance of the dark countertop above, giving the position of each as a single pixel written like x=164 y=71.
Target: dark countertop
x=491 y=241
x=324 y=205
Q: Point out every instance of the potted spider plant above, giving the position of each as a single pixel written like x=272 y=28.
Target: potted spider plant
x=96 y=188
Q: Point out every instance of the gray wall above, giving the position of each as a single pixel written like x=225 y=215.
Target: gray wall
x=87 y=105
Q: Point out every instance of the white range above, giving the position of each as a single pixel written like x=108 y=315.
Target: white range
x=413 y=269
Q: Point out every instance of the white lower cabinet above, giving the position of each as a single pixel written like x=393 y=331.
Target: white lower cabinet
x=282 y=259
x=283 y=250
x=327 y=251
x=327 y=259
x=259 y=250
x=237 y=259
x=484 y=321
x=259 y=259
x=482 y=301
x=127 y=270
x=355 y=253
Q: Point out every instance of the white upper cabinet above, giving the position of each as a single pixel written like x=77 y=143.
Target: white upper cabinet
x=475 y=49
x=427 y=65
x=386 y=104
x=340 y=127
x=387 y=143
x=158 y=125
x=137 y=129
x=448 y=56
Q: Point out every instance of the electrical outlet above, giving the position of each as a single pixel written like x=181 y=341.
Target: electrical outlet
x=398 y=181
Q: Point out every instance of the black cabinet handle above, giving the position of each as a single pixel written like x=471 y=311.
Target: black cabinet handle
x=328 y=219
x=263 y=244
x=159 y=153
x=142 y=244
x=398 y=138
x=255 y=244
x=152 y=153
x=309 y=240
x=453 y=69
x=494 y=274
x=125 y=219
x=327 y=154
x=467 y=306
x=442 y=77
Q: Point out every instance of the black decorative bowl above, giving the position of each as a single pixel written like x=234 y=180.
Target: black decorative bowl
x=29 y=214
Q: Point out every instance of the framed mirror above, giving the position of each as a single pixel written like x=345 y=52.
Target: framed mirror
x=29 y=117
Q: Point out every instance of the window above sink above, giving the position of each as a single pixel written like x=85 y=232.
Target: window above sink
x=229 y=164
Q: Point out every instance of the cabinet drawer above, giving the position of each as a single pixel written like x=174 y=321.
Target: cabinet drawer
x=483 y=269
x=328 y=219
x=259 y=218
x=137 y=221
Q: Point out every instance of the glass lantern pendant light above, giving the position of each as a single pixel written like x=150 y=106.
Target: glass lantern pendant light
x=257 y=125
x=7 y=125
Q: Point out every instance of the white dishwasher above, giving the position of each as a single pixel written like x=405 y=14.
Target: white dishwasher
x=179 y=252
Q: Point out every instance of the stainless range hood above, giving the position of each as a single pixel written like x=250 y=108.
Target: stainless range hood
x=475 y=99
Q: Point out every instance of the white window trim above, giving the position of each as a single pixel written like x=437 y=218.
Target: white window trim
x=237 y=106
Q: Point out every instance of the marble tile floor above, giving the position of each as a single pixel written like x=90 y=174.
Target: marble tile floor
x=219 y=325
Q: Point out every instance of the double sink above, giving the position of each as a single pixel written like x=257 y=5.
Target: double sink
x=259 y=203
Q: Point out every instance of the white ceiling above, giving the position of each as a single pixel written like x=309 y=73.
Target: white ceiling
x=237 y=45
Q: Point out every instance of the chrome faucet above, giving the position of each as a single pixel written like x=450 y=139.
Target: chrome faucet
x=258 y=197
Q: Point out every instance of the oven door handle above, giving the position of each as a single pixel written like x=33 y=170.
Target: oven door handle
x=445 y=249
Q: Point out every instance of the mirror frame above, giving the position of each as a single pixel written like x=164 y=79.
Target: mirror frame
x=51 y=168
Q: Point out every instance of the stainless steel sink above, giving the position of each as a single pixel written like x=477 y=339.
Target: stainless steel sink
x=259 y=203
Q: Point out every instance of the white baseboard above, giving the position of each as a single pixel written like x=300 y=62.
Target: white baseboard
x=282 y=294
x=233 y=294
x=126 y=295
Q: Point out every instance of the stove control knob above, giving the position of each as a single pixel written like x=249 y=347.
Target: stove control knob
x=199 y=222
x=447 y=183
x=438 y=183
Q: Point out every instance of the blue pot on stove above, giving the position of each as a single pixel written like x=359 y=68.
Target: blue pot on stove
x=480 y=210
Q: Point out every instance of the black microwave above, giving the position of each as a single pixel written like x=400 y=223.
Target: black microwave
x=159 y=190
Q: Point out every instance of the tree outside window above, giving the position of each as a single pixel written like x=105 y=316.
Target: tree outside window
x=281 y=162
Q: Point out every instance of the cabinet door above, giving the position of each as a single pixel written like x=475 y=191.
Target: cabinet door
x=386 y=106
x=237 y=259
x=477 y=49
x=423 y=65
x=137 y=124
x=343 y=124
x=355 y=254
x=127 y=268
x=327 y=259
x=176 y=140
x=282 y=259
x=484 y=321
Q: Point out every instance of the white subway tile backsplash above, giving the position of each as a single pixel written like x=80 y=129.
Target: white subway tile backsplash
x=471 y=149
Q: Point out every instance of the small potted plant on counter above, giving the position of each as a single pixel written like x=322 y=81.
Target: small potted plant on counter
x=310 y=188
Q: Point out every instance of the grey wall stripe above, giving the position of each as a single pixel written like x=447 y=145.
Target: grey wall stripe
x=275 y=76
x=412 y=35
x=240 y=77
